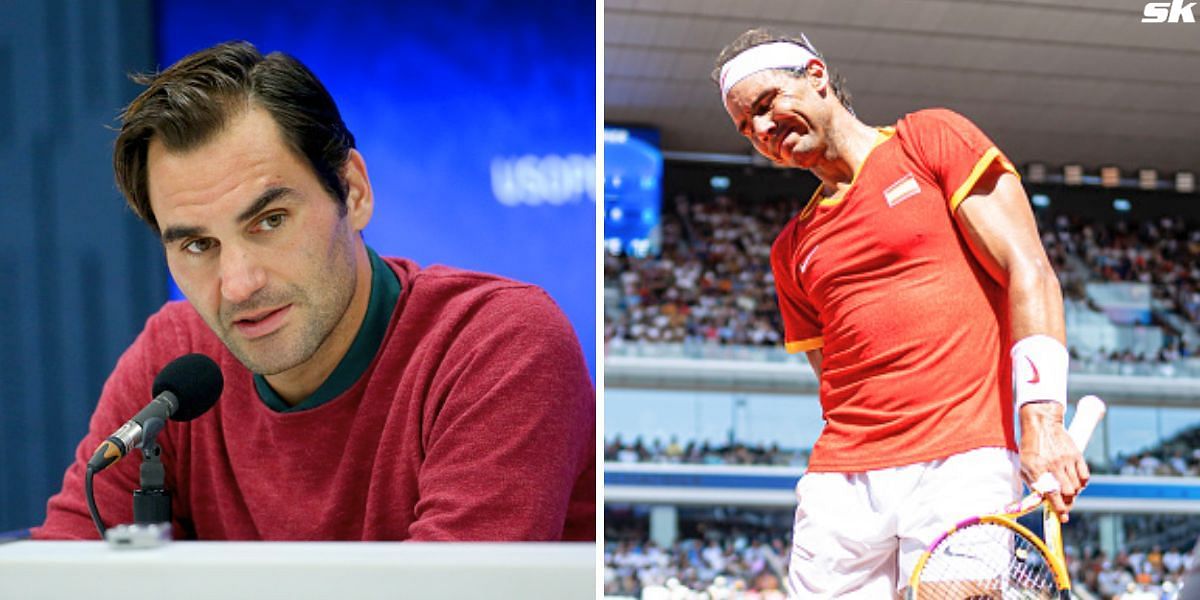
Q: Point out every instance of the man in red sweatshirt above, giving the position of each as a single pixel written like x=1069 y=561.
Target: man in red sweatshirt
x=365 y=398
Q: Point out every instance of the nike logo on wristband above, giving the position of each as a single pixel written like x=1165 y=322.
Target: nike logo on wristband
x=1036 y=378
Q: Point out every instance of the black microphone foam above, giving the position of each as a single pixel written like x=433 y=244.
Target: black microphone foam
x=196 y=382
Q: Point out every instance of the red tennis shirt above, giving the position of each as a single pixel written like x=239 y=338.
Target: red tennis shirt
x=913 y=330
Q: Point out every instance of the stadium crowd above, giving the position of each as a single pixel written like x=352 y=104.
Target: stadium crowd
x=718 y=561
x=702 y=453
x=1156 y=553
x=1153 y=571
x=1178 y=456
x=712 y=282
x=1164 y=253
x=711 y=285
x=723 y=553
x=730 y=569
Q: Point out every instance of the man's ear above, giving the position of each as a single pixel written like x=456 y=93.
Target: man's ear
x=360 y=201
x=818 y=74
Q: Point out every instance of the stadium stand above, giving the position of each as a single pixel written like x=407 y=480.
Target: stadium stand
x=713 y=285
x=1177 y=457
x=732 y=551
x=710 y=294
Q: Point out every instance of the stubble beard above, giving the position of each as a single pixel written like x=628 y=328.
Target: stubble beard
x=800 y=154
x=280 y=351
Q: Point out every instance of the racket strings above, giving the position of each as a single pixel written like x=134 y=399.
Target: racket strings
x=986 y=560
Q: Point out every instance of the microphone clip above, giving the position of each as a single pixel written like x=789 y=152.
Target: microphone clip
x=152 y=502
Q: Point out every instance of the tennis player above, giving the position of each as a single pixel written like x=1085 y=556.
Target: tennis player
x=915 y=281
x=365 y=397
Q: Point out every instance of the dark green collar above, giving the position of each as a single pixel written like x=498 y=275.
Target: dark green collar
x=385 y=291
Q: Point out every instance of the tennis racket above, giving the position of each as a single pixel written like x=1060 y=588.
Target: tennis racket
x=994 y=556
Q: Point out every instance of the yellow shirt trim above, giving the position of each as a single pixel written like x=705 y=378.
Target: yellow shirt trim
x=885 y=133
x=981 y=167
x=804 y=345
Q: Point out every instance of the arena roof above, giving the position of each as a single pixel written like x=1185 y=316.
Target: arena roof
x=1055 y=81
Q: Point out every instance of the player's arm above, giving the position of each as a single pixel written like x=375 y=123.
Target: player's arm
x=999 y=226
x=814 y=359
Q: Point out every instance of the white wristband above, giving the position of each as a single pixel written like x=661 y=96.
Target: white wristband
x=1039 y=370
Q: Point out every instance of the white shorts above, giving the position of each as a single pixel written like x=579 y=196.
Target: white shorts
x=859 y=535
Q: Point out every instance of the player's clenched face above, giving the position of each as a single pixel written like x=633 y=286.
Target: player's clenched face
x=782 y=115
x=262 y=251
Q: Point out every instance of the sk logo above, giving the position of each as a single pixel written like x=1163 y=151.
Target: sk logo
x=1174 y=11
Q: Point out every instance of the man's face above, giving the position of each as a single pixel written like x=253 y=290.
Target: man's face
x=782 y=116
x=255 y=243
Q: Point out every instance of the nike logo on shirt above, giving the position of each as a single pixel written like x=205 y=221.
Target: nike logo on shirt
x=804 y=265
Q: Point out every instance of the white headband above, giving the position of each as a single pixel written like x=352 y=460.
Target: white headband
x=776 y=55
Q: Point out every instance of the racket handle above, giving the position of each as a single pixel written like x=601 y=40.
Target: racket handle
x=1088 y=412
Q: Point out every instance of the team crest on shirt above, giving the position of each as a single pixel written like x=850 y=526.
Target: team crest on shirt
x=904 y=188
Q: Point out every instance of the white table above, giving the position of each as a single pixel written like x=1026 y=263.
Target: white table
x=296 y=571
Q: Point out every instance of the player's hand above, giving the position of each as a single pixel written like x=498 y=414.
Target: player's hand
x=1046 y=448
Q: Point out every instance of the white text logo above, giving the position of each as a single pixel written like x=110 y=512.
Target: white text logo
x=1174 y=11
x=550 y=179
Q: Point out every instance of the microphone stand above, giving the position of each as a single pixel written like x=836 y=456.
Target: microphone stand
x=152 y=503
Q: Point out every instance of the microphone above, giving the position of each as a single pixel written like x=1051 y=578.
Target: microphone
x=185 y=389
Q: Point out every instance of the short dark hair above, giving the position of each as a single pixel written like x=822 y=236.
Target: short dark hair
x=190 y=102
x=762 y=35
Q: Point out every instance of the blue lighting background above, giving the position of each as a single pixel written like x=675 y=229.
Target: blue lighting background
x=476 y=119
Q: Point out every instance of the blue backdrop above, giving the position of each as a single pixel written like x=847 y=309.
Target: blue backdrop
x=477 y=120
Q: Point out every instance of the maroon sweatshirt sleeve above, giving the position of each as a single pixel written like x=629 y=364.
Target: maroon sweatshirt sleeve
x=127 y=391
x=510 y=439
